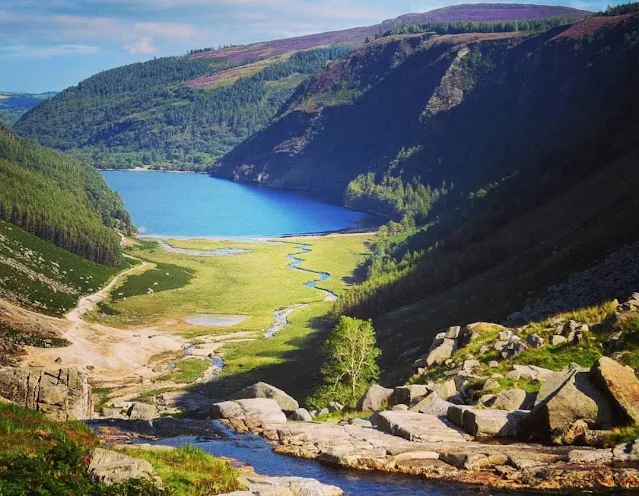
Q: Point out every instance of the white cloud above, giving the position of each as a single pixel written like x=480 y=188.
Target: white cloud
x=48 y=51
x=143 y=46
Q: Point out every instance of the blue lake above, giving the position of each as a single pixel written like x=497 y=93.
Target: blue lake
x=196 y=205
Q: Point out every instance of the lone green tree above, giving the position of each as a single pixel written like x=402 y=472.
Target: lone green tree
x=351 y=364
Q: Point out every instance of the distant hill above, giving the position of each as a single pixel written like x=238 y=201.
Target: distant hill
x=15 y=105
x=60 y=199
x=186 y=112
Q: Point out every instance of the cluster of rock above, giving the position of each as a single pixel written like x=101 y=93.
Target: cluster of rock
x=427 y=435
x=61 y=394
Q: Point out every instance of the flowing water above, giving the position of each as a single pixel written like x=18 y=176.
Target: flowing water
x=254 y=451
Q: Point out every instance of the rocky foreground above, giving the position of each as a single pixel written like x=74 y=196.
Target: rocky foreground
x=424 y=444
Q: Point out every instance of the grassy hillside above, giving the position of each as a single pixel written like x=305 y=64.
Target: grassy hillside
x=173 y=113
x=38 y=275
x=15 y=105
x=186 y=112
x=60 y=199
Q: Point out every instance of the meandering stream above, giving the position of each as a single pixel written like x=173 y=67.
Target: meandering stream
x=281 y=315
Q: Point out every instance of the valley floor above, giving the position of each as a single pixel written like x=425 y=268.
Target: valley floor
x=136 y=337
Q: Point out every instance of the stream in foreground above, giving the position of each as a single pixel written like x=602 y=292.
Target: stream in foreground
x=254 y=451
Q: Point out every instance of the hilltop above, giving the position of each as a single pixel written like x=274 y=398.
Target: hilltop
x=15 y=105
x=186 y=112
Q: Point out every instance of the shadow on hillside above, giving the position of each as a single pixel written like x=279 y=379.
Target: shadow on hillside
x=298 y=374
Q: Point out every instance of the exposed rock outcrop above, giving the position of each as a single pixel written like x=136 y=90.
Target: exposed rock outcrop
x=417 y=427
x=61 y=394
x=566 y=397
x=111 y=467
x=622 y=384
x=374 y=399
x=263 y=390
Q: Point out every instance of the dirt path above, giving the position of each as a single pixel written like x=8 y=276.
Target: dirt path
x=107 y=353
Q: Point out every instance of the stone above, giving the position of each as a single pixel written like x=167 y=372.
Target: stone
x=142 y=411
x=417 y=427
x=499 y=345
x=444 y=389
x=400 y=408
x=492 y=423
x=453 y=332
x=506 y=335
x=490 y=384
x=590 y=456
x=442 y=352
x=226 y=410
x=301 y=415
x=374 y=399
x=487 y=400
x=335 y=407
x=573 y=434
x=564 y=398
x=284 y=486
x=114 y=413
x=61 y=394
x=532 y=372
x=111 y=467
x=627 y=452
x=323 y=412
x=535 y=341
x=465 y=461
x=557 y=340
x=455 y=414
x=511 y=399
x=432 y=405
x=493 y=364
x=513 y=349
x=264 y=390
x=361 y=422
x=265 y=410
x=470 y=366
x=622 y=384
x=513 y=375
x=408 y=395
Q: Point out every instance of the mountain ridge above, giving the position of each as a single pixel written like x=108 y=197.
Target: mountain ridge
x=186 y=112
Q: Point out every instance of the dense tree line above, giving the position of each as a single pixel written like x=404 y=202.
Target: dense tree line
x=60 y=199
x=624 y=8
x=142 y=114
x=460 y=27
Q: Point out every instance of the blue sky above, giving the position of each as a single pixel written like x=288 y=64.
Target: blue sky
x=52 y=44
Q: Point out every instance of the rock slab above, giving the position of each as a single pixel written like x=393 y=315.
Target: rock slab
x=264 y=390
x=417 y=427
x=622 y=384
x=112 y=467
x=61 y=394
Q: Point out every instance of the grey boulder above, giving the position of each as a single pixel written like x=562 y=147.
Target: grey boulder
x=264 y=390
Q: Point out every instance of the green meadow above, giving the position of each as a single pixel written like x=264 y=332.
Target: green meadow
x=255 y=284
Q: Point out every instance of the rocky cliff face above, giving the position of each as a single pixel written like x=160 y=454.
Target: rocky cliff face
x=477 y=107
x=62 y=394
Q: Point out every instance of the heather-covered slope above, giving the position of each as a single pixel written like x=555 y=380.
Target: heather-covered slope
x=186 y=112
x=463 y=110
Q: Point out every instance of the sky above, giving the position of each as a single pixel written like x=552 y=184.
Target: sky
x=48 y=45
